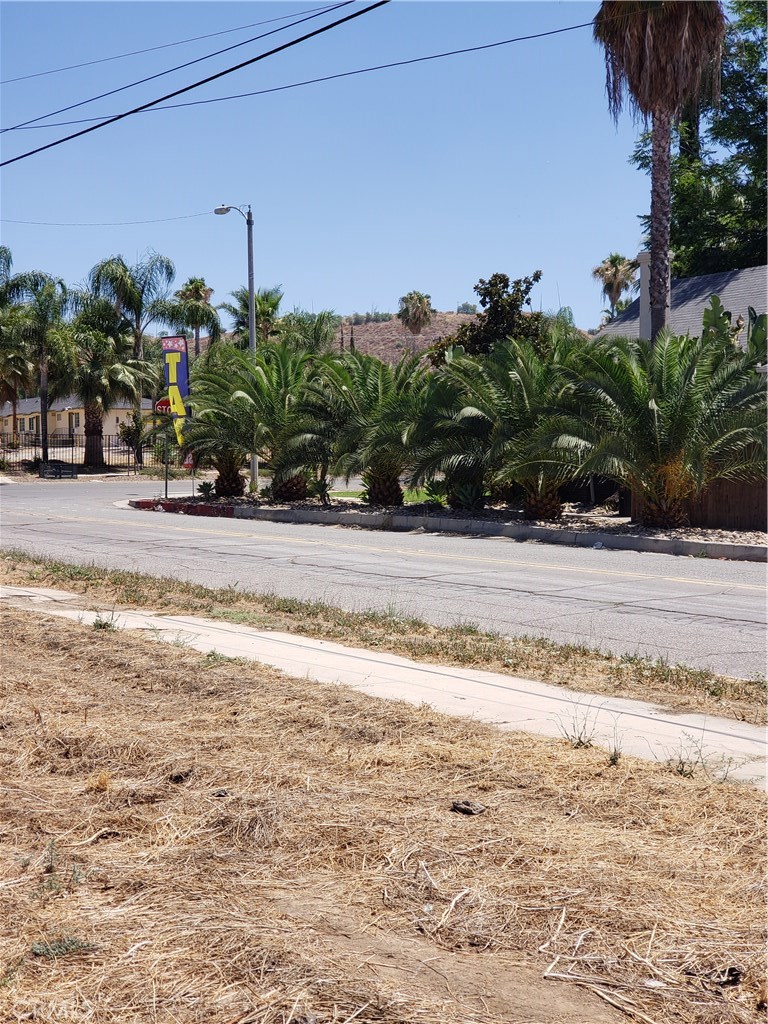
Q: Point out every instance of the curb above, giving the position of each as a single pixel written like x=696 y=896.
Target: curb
x=434 y=524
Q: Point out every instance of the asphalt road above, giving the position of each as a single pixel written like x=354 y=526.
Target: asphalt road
x=709 y=614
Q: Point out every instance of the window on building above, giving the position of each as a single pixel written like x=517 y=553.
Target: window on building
x=22 y=423
x=58 y=417
x=74 y=421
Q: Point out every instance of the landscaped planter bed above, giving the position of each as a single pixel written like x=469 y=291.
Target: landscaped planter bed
x=580 y=529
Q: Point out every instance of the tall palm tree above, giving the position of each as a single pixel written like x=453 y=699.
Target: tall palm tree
x=267 y=305
x=101 y=373
x=667 y=418
x=617 y=275
x=313 y=332
x=660 y=55
x=140 y=293
x=43 y=329
x=415 y=311
x=17 y=370
x=193 y=308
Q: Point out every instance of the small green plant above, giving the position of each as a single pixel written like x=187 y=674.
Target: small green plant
x=56 y=948
x=580 y=731
x=4 y=465
x=105 y=622
x=206 y=489
x=321 y=489
x=434 y=492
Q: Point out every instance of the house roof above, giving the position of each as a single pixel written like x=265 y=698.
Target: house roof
x=737 y=290
x=31 y=406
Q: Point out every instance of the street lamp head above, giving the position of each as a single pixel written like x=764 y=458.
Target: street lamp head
x=222 y=209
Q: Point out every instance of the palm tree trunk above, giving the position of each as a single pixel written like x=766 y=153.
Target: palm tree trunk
x=197 y=342
x=14 y=410
x=44 y=404
x=661 y=156
x=94 y=431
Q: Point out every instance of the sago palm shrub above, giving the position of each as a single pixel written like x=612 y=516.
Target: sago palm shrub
x=667 y=419
x=484 y=426
x=361 y=411
x=253 y=401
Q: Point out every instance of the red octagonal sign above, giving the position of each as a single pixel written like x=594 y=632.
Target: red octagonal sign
x=163 y=405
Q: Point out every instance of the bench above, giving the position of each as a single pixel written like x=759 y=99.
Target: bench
x=58 y=470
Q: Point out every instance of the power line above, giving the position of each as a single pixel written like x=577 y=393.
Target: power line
x=169 y=71
x=162 y=46
x=341 y=74
x=196 y=85
x=103 y=224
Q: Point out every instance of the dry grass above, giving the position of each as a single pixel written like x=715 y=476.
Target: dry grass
x=673 y=686
x=188 y=839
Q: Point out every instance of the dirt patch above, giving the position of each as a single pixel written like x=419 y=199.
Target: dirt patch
x=187 y=838
x=676 y=687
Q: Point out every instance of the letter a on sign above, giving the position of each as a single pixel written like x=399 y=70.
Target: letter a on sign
x=176 y=366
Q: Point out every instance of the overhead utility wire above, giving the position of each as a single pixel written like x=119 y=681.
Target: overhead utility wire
x=162 y=46
x=330 y=78
x=103 y=224
x=196 y=85
x=169 y=71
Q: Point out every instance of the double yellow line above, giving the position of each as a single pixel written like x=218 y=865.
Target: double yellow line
x=374 y=549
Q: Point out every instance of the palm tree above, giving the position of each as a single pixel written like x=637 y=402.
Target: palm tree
x=267 y=304
x=363 y=409
x=17 y=370
x=660 y=55
x=193 y=309
x=254 y=400
x=666 y=419
x=312 y=332
x=489 y=430
x=42 y=329
x=101 y=372
x=617 y=275
x=415 y=311
x=139 y=292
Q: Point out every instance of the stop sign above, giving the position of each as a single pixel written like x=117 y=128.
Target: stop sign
x=163 y=405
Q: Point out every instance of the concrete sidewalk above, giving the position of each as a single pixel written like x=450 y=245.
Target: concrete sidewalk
x=720 y=746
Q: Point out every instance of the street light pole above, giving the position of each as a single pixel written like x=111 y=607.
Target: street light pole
x=248 y=217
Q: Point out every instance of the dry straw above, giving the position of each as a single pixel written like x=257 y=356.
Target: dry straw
x=187 y=839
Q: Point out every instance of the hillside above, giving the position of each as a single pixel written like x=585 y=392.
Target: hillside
x=390 y=340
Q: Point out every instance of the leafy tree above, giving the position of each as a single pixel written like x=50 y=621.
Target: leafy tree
x=504 y=316
x=267 y=305
x=661 y=56
x=415 y=311
x=466 y=307
x=139 y=292
x=666 y=419
x=193 y=309
x=719 y=196
x=616 y=275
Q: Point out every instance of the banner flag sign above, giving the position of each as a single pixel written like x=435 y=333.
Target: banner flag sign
x=176 y=366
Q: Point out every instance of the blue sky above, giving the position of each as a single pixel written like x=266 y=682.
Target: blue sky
x=427 y=177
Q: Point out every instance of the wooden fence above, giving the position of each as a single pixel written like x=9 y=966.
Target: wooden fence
x=727 y=505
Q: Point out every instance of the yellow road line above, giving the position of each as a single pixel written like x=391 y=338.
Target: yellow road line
x=408 y=552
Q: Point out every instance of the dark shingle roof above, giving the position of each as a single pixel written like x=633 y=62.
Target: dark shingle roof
x=737 y=289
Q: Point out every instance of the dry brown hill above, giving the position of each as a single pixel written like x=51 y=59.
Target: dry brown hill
x=390 y=340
